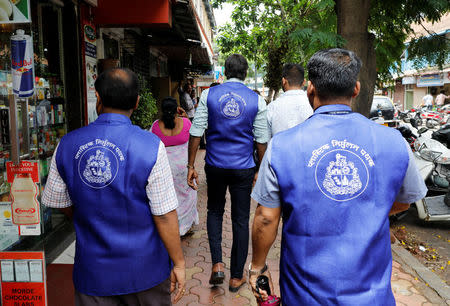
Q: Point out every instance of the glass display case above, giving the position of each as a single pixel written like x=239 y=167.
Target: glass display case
x=31 y=128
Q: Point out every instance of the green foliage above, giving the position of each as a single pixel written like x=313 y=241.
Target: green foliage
x=391 y=22
x=145 y=114
x=271 y=33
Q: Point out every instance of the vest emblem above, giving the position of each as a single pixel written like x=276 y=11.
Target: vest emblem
x=98 y=168
x=342 y=177
x=232 y=105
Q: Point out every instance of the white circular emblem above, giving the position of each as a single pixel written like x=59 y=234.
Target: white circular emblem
x=98 y=167
x=232 y=105
x=341 y=175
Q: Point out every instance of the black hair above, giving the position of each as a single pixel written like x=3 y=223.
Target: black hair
x=169 y=110
x=442 y=91
x=118 y=88
x=334 y=72
x=294 y=74
x=186 y=86
x=214 y=84
x=236 y=67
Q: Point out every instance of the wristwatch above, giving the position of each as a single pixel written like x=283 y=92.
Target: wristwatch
x=259 y=272
x=189 y=166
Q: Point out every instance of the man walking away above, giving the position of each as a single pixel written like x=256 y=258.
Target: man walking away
x=292 y=107
x=234 y=116
x=335 y=179
x=117 y=179
x=428 y=101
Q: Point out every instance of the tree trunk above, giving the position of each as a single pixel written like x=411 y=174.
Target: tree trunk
x=352 y=25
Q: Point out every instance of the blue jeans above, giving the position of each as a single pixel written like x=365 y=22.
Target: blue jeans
x=239 y=182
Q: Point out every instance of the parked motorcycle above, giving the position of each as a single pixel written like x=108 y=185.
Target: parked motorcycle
x=433 y=161
x=432 y=119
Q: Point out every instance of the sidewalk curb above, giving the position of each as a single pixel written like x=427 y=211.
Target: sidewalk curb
x=426 y=275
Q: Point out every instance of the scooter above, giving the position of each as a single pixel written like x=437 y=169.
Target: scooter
x=433 y=161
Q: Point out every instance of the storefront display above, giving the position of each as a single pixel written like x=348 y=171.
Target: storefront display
x=32 y=118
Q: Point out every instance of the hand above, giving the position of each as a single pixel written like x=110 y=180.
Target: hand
x=262 y=295
x=255 y=178
x=192 y=175
x=178 y=275
x=181 y=112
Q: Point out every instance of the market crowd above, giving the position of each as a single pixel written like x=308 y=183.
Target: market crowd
x=331 y=175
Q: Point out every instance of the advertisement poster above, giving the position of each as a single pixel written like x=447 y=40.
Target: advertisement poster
x=25 y=208
x=90 y=59
x=23 y=279
x=9 y=232
x=14 y=11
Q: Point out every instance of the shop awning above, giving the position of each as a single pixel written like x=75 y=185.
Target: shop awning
x=142 y=13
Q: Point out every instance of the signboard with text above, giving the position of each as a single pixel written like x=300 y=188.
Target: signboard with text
x=427 y=80
x=25 y=208
x=23 y=279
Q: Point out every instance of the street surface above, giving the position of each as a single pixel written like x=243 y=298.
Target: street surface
x=427 y=241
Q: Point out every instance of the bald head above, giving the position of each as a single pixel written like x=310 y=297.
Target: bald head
x=118 y=88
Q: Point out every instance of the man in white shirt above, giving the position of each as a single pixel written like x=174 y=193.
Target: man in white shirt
x=292 y=107
x=428 y=101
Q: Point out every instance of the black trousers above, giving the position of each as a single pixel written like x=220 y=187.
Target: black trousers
x=239 y=183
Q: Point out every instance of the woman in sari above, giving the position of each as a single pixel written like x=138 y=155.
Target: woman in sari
x=174 y=133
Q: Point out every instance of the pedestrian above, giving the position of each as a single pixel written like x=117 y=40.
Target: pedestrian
x=428 y=101
x=234 y=116
x=186 y=101
x=292 y=107
x=440 y=98
x=335 y=179
x=174 y=133
x=115 y=179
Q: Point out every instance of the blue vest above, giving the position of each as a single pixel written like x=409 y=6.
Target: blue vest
x=339 y=174
x=105 y=166
x=232 y=108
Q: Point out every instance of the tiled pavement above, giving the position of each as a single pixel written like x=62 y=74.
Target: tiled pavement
x=408 y=288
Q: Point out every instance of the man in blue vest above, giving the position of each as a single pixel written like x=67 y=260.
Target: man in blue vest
x=115 y=179
x=234 y=116
x=335 y=178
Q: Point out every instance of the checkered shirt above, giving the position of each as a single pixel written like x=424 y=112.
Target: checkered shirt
x=160 y=189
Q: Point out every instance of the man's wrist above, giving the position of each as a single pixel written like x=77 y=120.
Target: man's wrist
x=190 y=166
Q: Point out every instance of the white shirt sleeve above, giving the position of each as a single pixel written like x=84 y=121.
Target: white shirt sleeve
x=55 y=193
x=160 y=189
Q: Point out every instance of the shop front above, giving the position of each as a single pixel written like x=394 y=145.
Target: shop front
x=40 y=101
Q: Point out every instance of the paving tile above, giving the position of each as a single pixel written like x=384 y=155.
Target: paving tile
x=411 y=300
x=192 y=260
x=396 y=264
x=401 y=287
x=206 y=295
x=231 y=300
x=193 y=251
x=191 y=271
x=247 y=292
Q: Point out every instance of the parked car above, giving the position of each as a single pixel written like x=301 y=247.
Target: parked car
x=383 y=104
